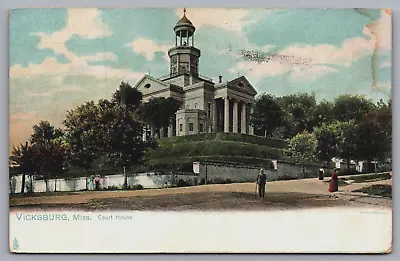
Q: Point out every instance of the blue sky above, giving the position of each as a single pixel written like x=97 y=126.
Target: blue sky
x=60 y=58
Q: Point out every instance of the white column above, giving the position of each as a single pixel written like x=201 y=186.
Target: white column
x=251 y=130
x=152 y=131
x=144 y=134
x=235 y=116
x=244 y=125
x=215 y=116
x=226 y=114
x=170 y=129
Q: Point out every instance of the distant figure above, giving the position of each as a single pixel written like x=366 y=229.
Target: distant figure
x=97 y=183
x=91 y=183
x=321 y=174
x=261 y=181
x=334 y=186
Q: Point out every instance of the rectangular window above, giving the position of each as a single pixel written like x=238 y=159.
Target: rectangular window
x=201 y=127
x=209 y=110
x=180 y=127
x=190 y=126
x=195 y=105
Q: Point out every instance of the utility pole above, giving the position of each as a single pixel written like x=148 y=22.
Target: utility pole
x=205 y=182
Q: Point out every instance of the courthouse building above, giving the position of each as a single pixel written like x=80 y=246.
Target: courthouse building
x=207 y=107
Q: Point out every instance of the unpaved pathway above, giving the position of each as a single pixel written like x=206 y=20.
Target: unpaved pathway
x=306 y=193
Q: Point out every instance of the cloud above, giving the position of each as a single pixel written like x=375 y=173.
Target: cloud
x=318 y=58
x=382 y=30
x=350 y=51
x=228 y=19
x=307 y=73
x=51 y=67
x=83 y=22
x=148 y=48
x=101 y=57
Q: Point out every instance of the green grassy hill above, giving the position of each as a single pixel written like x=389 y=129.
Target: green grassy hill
x=178 y=153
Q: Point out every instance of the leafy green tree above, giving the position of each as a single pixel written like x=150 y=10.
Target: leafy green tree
x=159 y=112
x=326 y=137
x=127 y=96
x=83 y=133
x=267 y=115
x=346 y=140
x=44 y=132
x=302 y=148
x=52 y=153
x=108 y=130
x=323 y=113
x=299 y=111
x=374 y=139
x=351 y=107
x=122 y=137
x=24 y=157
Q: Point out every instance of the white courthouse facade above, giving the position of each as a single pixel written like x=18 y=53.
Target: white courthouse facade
x=207 y=107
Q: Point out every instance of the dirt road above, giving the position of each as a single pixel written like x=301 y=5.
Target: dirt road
x=306 y=193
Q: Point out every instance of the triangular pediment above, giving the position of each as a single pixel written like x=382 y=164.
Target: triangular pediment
x=242 y=84
x=148 y=84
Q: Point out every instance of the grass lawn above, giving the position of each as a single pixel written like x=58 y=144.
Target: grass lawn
x=377 y=190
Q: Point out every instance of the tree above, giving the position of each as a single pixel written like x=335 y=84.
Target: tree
x=374 y=139
x=24 y=157
x=83 y=132
x=122 y=137
x=323 y=113
x=267 y=115
x=299 y=111
x=159 y=112
x=346 y=140
x=44 y=132
x=127 y=96
x=52 y=152
x=351 y=107
x=302 y=147
x=107 y=129
x=326 y=137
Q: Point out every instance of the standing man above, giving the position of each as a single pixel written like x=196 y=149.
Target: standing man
x=261 y=181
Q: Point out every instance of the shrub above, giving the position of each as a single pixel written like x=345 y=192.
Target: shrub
x=182 y=183
x=137 y=187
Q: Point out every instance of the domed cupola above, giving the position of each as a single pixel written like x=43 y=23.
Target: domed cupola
x=184 y=56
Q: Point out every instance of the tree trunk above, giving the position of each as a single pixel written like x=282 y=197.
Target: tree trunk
x=46 y=182
x=125 y=179
x=23 y=183
x=31 y=188
x=348 y=165
x=55 y=184
x=87 y=181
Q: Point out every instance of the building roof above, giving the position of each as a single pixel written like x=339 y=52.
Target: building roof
x=184 y=20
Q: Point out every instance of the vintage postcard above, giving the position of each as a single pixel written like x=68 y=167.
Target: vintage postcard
x=192 y=130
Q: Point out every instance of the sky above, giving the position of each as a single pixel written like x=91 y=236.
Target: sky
x=61 y=58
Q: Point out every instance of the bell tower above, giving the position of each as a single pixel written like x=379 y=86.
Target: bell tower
x=184 y=56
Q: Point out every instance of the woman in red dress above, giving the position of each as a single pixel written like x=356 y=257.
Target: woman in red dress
x=333 y=186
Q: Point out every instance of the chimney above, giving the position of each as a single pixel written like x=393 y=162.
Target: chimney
x=220 y=79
